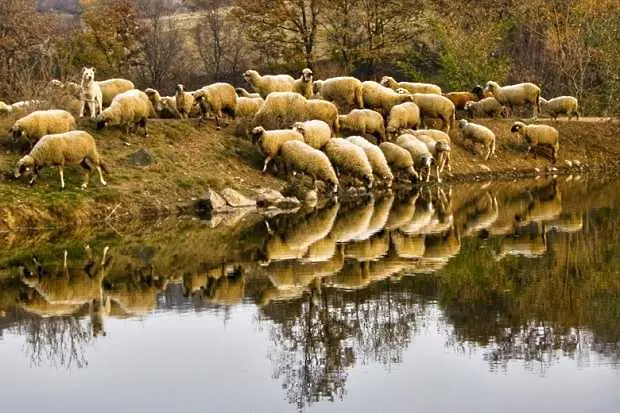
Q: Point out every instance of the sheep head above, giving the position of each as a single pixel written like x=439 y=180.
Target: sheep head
x=468 y=105
x=491 y=86
x=402 y=91
x=463 y=123
x=16 y=131
x=388 y=81
x=306 y=75
x=250 y=76
x=257 y=133
x=517 y=126
x=478 y=91
x=25 y=164
x=299 y=127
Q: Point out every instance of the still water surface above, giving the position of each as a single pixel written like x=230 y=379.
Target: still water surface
x=486 y=297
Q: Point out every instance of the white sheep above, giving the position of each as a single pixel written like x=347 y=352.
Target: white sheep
x=411 y=87
x=381 y=98
x=433 y=106
x=403 y=116
x=246 y=110
x=267 y=84
x=398 y=159
x=184 y=101
x=349 y=158
x=438 y=136
x=536 y=135
x=42 y=122
x=439 y=149
x=304 y=85
x=363 y=122
x=90 y=93
x=301 y=157
x=422 y=157
x=516 y=95
x=345 y=92
x=217 y=98
x=270 y=141
x=128 y=109
x=165 y=107
x=316 y=133
x=323 y=110
x=376 y=158
x=484 y=108
x=562 y=105
x=112 y=87
x=281 y=110
x=73 y=147
x=21 y=106
x=242 y=93
x=480 y=134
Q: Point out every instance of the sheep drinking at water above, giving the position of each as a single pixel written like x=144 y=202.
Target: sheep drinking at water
x=536 y=135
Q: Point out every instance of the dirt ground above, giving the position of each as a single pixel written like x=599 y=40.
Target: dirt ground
x=188 y=158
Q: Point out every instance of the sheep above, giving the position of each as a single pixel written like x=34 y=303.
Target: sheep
x=267 y=84
x=242 y=93
x=325 y=111
x=270 y=141
x=381 y=98
x=566 y=105
x=362 y=122
x=246 y=110
x=42 y=122
x=68 y=87
x=281 y=110
x=388 y=81
x=304 y=85
x=484 y=108
x=433 y=106
x=398 y=158
x=349 y=158
x=301 y=157
x=376 y=158
x=21 y=106
x=62 y=149
x=90 y=93
x=218 y=98
x=536 y=135
x=404 y=115
x=480 y=134
x=516 y=95
x=459 y=99
x=165 y=107
x=345 y=92
x=130 y=108
x=480 y=93
x=184 y=100
x=112 y=87
x=438 y=136
x=422 y=157
x=440 y=151
x=316 y=133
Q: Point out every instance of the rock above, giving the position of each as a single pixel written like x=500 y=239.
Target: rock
x=237 y=200
x=209 y=203
x=569 y=163
x=266 y=197
x=141 y=157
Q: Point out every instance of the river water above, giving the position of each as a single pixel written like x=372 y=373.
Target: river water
x=483 y=297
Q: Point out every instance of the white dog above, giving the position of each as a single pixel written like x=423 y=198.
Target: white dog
x=90 y=93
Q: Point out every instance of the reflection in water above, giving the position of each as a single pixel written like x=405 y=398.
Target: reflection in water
x=526 y=272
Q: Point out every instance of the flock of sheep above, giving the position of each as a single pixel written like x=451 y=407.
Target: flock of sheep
x=297 y=122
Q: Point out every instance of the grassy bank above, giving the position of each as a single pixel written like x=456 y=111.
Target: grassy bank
x=187 y=159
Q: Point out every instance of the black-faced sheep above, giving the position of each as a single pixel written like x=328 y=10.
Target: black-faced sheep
x=281 y=110
x=480 y=134
x=270 y=141
x=325 y=111
x=350 y=159
x=376 y=158
x=516 y=95
x=73 y=147
x=433 y=106
x=316 y=133
x=381 y=98
x=422 y=157
x=128 y=109
x=403 y=116
x=362 y=122
x=411 y=87
x=217 y=98
x=304 y=85
x=267 y=84
x=562 y=105
x=301 y=157
x=90 y=93
x=42 y=122
x=345 y=92
x=398 y=159
x=536 y=135
x=487 y=107
x=165 y=107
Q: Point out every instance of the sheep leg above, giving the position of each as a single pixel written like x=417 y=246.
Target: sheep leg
x=88 y=168
x=142 y=123
x=62 y=178
x=265 y=164
x=437 y=172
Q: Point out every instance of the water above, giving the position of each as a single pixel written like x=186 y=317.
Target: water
x=488 y=297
